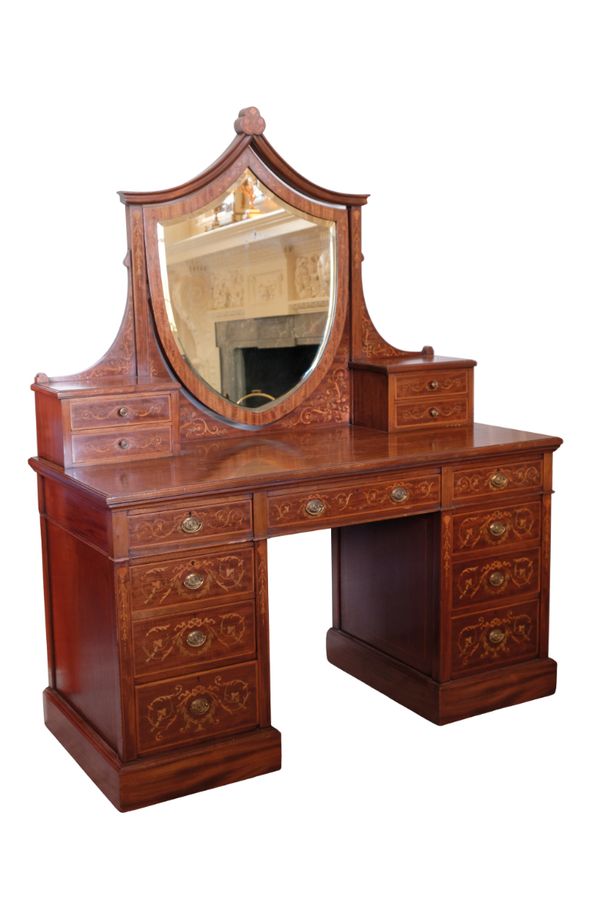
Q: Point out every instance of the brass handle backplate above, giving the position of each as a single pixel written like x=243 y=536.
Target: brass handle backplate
x=433 y=385
x=199 y=707
x=497 y=529
x=191 y=525
x=196 y=638
x=315 y=507
x=434 y=413
x=194 y=581
x=497 y=579
x=496 y=636
x=499 y=480
x=123 y=444
x=399 y=494
x=123 y=411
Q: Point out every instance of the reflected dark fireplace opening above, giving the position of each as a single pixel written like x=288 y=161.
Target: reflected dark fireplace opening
x=270 y=372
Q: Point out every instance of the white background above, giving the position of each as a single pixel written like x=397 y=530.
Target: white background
x=474 y=126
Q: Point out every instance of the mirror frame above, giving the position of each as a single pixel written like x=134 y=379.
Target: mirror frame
x=195 y=198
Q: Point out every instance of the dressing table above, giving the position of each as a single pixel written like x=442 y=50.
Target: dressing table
x=248 y=394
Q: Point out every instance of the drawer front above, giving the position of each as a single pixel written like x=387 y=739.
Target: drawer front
x=224 y=575
x=182 y=710
x=490 y=639
x=207 y=636
x=112 y=412
x=322 y=507
x=113 y=446
x=430 y=384
x=431 y=412
x=227 y=518
x=496 y=577
x=494 y=479
x=503 y=526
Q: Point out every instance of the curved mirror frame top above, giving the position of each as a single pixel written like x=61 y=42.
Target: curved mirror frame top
x=248 y=282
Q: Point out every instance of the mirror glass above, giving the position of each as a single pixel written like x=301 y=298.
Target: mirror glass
x=249 y=285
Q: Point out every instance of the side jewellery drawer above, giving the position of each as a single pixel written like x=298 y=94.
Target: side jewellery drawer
x=119 y=411
x=195 y=524
x=338 y=503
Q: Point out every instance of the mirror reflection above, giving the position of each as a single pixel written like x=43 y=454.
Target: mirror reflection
x=249 y=284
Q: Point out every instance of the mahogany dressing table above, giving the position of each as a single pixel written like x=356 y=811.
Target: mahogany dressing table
x=247 y=395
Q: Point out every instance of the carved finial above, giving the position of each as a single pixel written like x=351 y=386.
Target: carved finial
x=249 y=121
x=41 y=378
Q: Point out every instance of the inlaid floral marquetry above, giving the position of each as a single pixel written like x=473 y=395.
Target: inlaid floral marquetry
x=496 y=479
x=227 y=518
x=222 y=575
x=495 y=577
x=214 y=635
x=112 y=446
x=197 y=706
x=119 y=411
x=503 y=526
x=489 y=639
x=431 y=412
x=408 y=387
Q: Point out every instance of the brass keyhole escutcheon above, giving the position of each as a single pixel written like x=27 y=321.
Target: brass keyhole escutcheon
x=199 y=707
x=433 y=385
x=497 y=579
x=434 y=413
x=497 y=529
x=194 y=581
x=399 y=494
x=315 y=507
x=499 y=480
x=123 y=412
x=196 y=638
x=191 y=524
x=496 y=636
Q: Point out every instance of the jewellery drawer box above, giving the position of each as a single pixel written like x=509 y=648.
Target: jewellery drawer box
x=430 y=384
x=115 y=446
x=219 y=634
x=496 y=478
x=505 y=526
x=488 y=639
x=496 y=577
x=330 y=505
x=198 y=523
x=430 y=412
x=118 y=411
x=217 y=576
x=185 y=710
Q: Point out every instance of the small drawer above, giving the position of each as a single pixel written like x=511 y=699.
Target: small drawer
x=494 y=479
x=211 y=635
x=358 y=500
x=110 y=412
x=430 y=384
x=115 y=446
x=485 y=640
x=196 y=707
x=205 y=522
x=495 y=577
x=220 y=576
x=501 y=526
x=431 y=412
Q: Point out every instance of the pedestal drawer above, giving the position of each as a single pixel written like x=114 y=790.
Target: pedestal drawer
x=211 y=635
x=221 y=576
x=363 y=500
x=195 y=707
x=194 y=525
x=504 y=526
x=488 y=639
x=496 y=478
x=495 y=577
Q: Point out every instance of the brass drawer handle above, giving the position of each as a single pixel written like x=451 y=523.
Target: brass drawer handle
x=315 y=507
x=123 y=444
x=199 y=707
x=123 y=411
x=497 y=579
x=434 y=413
x=191 y=525
x=399 y=494
x=497 y=529
x=196 y=638
x=496 y=636
x=433 y=385
x=499 y=480
x=194 y=581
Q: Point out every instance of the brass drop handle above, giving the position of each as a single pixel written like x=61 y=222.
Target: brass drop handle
x=499 y=480
x=194 y=581
x=315 y=507
x=434 y=413
x=497 y=579
x=123 y=444
x=199 y=707
x=497 y=529
x=191 y=524
x=123 y=411
x=196 y=638
x=399 y=495
x=433 y=385
x=496 y=636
